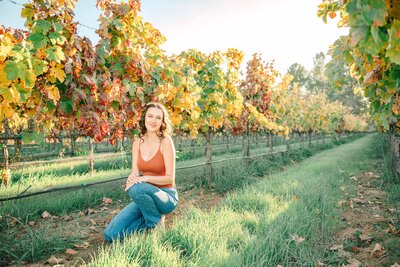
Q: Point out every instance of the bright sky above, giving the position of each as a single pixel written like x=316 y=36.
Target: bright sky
x=287 y=31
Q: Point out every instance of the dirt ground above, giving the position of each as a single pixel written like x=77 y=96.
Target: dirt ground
x=370 y=230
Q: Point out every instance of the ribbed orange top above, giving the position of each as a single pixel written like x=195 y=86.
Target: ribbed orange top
x=153 y=167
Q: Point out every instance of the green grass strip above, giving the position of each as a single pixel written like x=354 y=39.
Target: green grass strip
x=287 y=218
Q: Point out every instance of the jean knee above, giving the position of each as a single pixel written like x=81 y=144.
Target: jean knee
x=137 y=189
x=108 y=235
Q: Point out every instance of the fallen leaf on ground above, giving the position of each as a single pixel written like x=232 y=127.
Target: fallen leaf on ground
x=393 y=229
x=84 y=245
x=107 y=201
x=320 y=264
x=355 y=249
x=104 y=208
x=353 y=263
x=341 y=203
x=115 y=211
x=395 y=265
x=81 y=213
x=365 y=238
x=336 y=247
x=31 y=223
x=45 y=215
x=353 y=178
x=67 y=218
x=378 y=250
x=343 y=188
x=90 y=211
x=53 y=260
x=70 y=251
x=93 y=222
x=297 y=238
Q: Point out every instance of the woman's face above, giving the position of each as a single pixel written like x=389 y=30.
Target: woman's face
x=153 y=119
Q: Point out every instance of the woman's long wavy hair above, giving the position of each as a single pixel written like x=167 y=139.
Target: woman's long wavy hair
x=165 y=128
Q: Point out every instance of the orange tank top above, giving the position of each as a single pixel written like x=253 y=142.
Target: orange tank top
x=153 y=167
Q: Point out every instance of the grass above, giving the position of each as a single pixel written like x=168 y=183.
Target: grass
x=227 y=177
x=259 y=225
x=36 y=242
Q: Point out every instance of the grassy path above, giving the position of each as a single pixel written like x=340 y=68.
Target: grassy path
x=286 y=219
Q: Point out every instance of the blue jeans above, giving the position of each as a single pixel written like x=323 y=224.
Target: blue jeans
x=144 y=212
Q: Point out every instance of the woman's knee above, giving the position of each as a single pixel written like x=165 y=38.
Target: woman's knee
x=108 y=235
x=138 y=189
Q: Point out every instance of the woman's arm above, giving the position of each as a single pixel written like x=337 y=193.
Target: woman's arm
x=135 y=153
x=135 y=174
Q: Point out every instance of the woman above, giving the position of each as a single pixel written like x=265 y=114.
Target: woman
x=151 y=184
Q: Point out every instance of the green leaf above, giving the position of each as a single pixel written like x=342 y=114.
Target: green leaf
x=375 y=12
x=66 y=105
x=358 y=33
x=44 y=25
x=38 y=137
x=115 y=105
x=384 y=121
x=26 y=138
x=55 y=38
x=55 y=53
x=32 y=136
x=393 y=49
x=380 y=38
x=57 y=27
x=11 y=70
x=39 y=66
x=38 y=40
x=177 y=80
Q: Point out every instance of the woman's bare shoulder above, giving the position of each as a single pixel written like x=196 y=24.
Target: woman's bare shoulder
x=167 y=140
x=136 y=141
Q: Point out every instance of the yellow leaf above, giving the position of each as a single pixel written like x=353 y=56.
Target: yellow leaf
x=4 y=82
x=10 y=94
x=58 y=72
x=53 y=93
x=195 y=115
x=5 y=111
x=5 y=47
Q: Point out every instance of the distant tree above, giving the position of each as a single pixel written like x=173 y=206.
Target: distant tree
x=299 y=73
x=317 y=82
x=342 y=87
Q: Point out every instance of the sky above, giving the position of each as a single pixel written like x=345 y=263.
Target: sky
x=286 y=31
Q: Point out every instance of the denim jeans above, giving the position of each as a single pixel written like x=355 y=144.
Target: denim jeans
x=144 y=212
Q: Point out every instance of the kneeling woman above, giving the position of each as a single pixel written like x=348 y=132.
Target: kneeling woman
x=151 y=185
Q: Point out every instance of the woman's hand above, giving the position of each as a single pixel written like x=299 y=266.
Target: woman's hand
x=134 y=179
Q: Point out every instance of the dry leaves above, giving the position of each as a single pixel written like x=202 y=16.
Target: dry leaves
x=320 y=264
x=392 y=229
x=107 y=201
x=336 y=247
x=45 y=215
x=70 y=251
x=53 y=260
x=298 y=239
x=84 y=245
x=377 y=251
x=395 y=265
x=352 y=263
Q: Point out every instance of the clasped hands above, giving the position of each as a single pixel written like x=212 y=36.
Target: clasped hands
x=134 y=179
